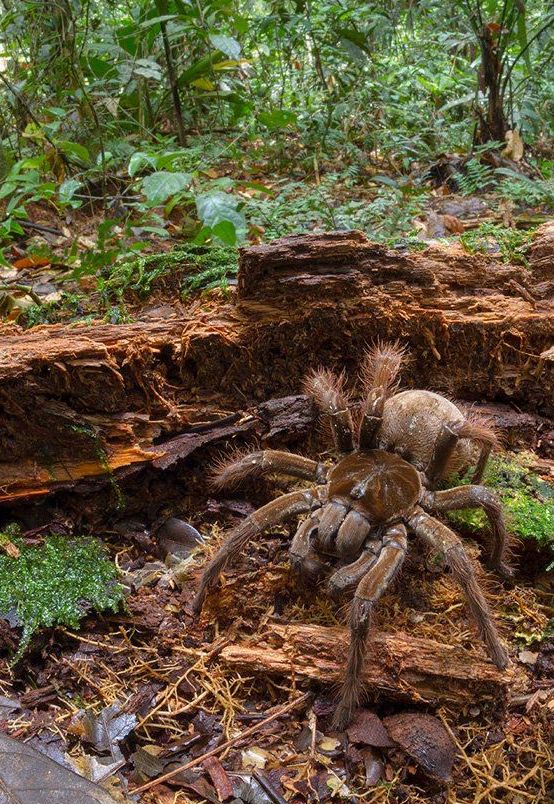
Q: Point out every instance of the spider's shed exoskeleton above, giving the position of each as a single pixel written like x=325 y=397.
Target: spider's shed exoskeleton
x=382 y=488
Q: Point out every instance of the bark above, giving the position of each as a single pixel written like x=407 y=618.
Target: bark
x=80 y=401
x=397 y=665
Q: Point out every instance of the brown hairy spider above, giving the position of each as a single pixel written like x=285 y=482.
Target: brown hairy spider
x=361 y=509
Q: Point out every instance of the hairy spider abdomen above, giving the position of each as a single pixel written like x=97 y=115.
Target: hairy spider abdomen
x=380 y=485
x=411 y=424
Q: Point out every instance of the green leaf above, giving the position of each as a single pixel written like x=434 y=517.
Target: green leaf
x=521 y=26
x=67 y=190
x=74 y=149
x=226 y=231
x=160 y=186
x=215 y=207
x=148 y=68
x=277 y=118
x=138 y=161
x=385 y=180
x=227 y=45
x=156 y=20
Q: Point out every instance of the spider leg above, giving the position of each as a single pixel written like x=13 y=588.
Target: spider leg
x=327 y=389
x=303 y=558
x=444 y=446
x=479 y=429
x=352 y=533
x=378 y=377
x=289 y=505
x=348 y=577
x=478 y=497
x=368 y=592
x=233 y=470
x=438 y=537
x=332 y=517
x=447 y=441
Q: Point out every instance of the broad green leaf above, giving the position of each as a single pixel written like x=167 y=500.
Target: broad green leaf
x=522 y=35
x=67 y=190
x=227 y=45
x=226 y=232
x=228 y=64
x=385 y=180
x=353 y=49
x=160 y=186
x=215 y=207
x=203 y=83
x=200 y=67
x=458 y=102
x=277 y=118
x=74 y=149
x=148 y=68
x=156 y=20
x=138 y=161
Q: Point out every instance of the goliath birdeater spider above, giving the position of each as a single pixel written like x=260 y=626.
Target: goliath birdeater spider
x=382 y=487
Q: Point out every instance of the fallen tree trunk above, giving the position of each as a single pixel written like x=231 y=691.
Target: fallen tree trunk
x=397 y=666
x=84 y=401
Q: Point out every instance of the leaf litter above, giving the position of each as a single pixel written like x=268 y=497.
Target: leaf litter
x=139 y=701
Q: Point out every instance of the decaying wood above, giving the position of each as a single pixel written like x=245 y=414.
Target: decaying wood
x=397 y=666
x=79 y=401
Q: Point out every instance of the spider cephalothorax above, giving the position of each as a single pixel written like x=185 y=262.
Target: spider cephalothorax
x=362 y=508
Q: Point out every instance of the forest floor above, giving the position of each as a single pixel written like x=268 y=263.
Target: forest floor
x=146 y=692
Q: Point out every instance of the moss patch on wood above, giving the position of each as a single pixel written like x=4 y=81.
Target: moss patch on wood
x=55 y=583
x=528 y=500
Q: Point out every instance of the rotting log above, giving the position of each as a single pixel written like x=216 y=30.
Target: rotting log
x=397 y=666
x=79 y=401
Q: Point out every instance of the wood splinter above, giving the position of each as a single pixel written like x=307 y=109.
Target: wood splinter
x=397 y=666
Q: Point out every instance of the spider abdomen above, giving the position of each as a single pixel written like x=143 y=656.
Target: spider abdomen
x=379 y=485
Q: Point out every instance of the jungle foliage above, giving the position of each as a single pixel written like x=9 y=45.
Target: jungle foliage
x=221 y=121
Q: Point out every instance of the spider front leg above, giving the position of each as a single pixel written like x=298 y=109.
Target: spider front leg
x=327 y=389
x=441 y=539
x=303 y=558
x=378 y=376
x=368 y=592
x=285 y=507
x=241 y=466
x=478 y=497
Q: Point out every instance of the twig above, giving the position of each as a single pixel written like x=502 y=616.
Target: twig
x=282 y=710
x=23 y=289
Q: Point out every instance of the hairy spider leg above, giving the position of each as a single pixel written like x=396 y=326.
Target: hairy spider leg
x=231 y=471
x=346 y=578
x=480 y=430
x=327 y=389
x=477 y=497
x=285 y=507
x=368 y=592
x=332 y=517
x=441 y=539
x=303 y=558
x=379 y=380
x=446 y=442
x=352 y=533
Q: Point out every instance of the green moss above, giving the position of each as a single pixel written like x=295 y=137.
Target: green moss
x=528 y=500
x=206 y=267
x=56 y=583
x=512 y=244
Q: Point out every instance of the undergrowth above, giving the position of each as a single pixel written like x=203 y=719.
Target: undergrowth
x=527 y=500
x=204 y=267
x=55 y=583
x=511 y=244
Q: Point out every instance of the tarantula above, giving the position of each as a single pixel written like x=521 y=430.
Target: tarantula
x=393 y=455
